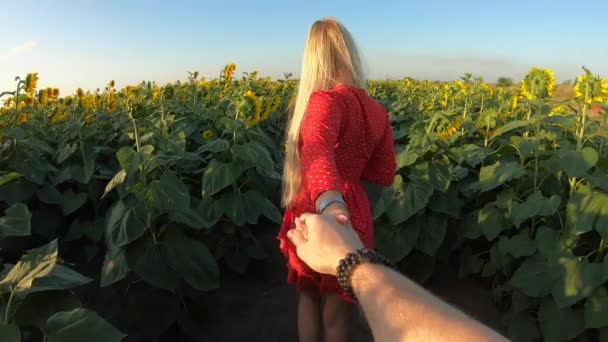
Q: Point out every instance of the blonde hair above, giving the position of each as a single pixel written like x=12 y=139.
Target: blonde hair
x=330 y=58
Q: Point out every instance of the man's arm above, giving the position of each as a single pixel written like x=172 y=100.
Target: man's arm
x=399 y=310
x=396 y=308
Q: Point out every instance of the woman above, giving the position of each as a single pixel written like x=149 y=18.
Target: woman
x=337 y=138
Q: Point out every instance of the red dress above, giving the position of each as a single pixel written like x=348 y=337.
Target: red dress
x=345 y=137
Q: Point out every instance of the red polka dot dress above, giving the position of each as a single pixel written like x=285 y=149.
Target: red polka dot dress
x=346 y=137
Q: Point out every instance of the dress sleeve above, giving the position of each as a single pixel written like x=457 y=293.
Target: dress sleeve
x=382 y=167
x=319 y=136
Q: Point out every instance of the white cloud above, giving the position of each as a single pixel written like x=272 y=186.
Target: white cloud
x=19 y=49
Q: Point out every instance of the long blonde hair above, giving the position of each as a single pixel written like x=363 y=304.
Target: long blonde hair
x=330 y=57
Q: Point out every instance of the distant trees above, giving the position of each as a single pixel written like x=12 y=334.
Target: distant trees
x=504 y=82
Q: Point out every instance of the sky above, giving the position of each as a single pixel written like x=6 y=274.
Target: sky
x=87 y=43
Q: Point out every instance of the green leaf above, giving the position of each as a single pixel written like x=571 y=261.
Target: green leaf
x=34 y=264
x=242 y=208
x=577 y=163
x=36 y=308
x=518 y=246
x=432 y=234
x=406 y=158
x=407 y=203
x=9 y=177
x=598 y=178
x=129 y=159
x=191 y=259
x=60 y=278
x=218 y=176
x=551 y=244
x=68 y=201
x=191 y=218
x=214 y=146
x=596 y=310
x=144 y=257
x=529 y=146
x=16 y=221
x=535 y=277
x=383 y=202
x=255 y=154
x=10 y=333
x=446 y=203
x=475 y=155
x=535 y=205
x=396 y=242
x=586 y=211
x=115 y=267
x=559 y=324
x=88 y=158
x=491 y=221
x=508 y=127
x=125 y=225
x=170 y=193
x=118 y=179
x=492 y=176
x=523 y=328
x=578 y=279
x=65 y=152
x=81 y=325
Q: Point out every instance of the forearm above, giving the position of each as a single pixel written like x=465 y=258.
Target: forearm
x=399 y=310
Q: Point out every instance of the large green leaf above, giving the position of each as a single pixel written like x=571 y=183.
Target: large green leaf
x=254 y=153
x=437 y=173
x=432 y=233
x=16 y=221
x=65 y=152
x=191 y=259
x=490 y=221
x=68 y=200
x=508 y=127
x=129 y=159
x=559 y=324
x=60 y=278
x=218 y=176
x=34 y=264
x=588 y=210
x=596 y=310
x=498 y=173
x=9 y=177
x=88 y=159
x=118 y=179
x=242 y=208
x=577 y=280
x=475 y=155
x=214 y=146
x=576 y=163
x=16 y=192
x=446 y=203
x=144 y=257
x=518 y=245
x=125 y=225
x=170 y=193
x=36 y=308
x=115 y=267
x=535 y=277
x=406 y=158
x=80 y=325
x=523 y=328
x=386 y=197
x=408 y=202
x=396 y=242
x=10 y=333
x=535 y=205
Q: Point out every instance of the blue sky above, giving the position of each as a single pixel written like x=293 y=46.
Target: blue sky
x=86 y=43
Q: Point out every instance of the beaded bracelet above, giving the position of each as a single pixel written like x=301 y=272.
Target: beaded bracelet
x=347 y=266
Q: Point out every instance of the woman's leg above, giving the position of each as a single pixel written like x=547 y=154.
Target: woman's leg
x=337 y=316
x=309 y=315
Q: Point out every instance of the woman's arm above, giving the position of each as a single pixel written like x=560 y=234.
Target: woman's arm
x=319 y=134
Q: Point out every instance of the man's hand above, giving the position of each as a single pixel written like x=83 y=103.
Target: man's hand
x=322 y=241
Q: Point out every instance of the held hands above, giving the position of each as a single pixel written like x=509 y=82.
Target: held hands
x=323 y=240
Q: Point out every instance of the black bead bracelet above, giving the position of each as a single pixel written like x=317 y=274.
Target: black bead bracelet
x=347 y=266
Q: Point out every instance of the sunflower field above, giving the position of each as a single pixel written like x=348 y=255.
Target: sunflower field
x=157 y=191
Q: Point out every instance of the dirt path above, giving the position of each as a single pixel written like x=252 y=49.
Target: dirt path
x=261 y=307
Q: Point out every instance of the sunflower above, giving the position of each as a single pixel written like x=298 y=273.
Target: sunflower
x=208 y=134
x=557 y=110
x=538 y=84
x=451 y=129
x=23 y=118
x=591 y=88
x=31 y=83
x=257 y=108
x=229 y=72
